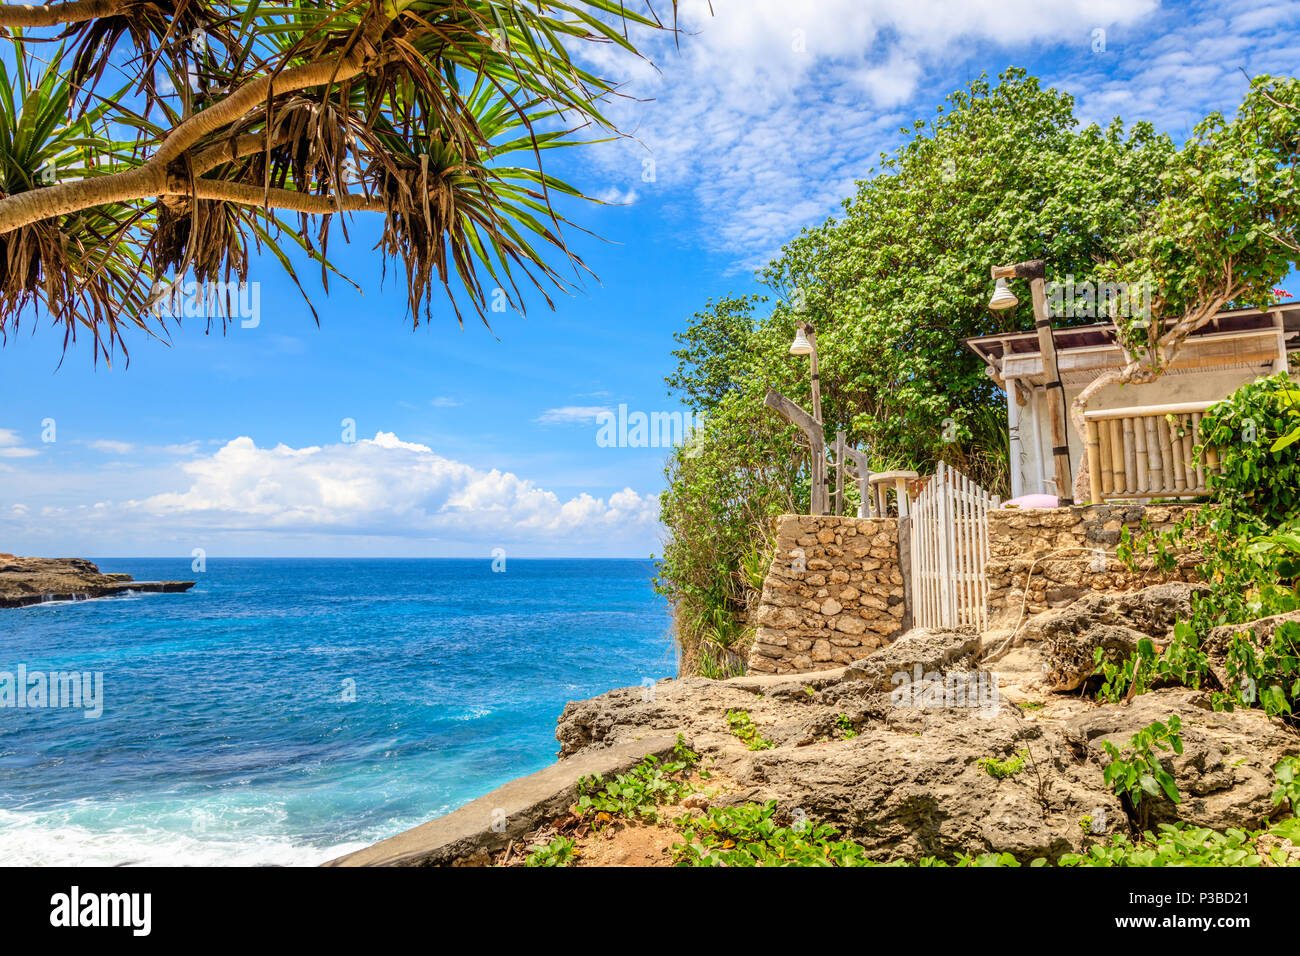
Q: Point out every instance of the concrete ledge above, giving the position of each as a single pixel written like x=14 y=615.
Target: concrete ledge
x=466 y=834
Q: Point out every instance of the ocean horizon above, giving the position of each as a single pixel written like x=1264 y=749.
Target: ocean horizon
x=288 y=710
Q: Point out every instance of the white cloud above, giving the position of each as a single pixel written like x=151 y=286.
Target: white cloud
x=571 y=415
x=445 y=401
x=618 y=197
x=1175 y=77
x=11 y=445
x=111 y=447
x=765 y=115
x=767 y=111
x=382 y=486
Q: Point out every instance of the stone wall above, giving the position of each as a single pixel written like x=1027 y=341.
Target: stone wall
x=1020 y=536
x=833 y=594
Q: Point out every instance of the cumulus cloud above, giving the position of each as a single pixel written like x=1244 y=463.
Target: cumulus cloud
x=383 y=486
x=11 y=445
x=571 y=415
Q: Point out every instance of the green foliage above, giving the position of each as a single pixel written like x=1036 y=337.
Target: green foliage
x=901 y=277
x=722 y=493
x=1137 y=770
x=743 y=726
x=1138 y=669
x=1286 y=775
x=749 y=835
x=1181 y=662
x=1259 y=476
x=1225 y=229
x=430 y=115
x=714 y=357
x=1248 y=539
x=1268 y=676
x=561 y=851
x=637 y=794
x=1002 y=769
x=845 y=724
x=1175 y=844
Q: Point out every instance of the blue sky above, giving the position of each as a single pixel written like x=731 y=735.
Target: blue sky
x=468 y=441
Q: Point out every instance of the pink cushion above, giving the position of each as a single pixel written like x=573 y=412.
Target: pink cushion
x=1031 y=501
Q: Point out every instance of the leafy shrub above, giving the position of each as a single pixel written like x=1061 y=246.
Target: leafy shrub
x=1286 y=775
x=1175 y=844
x=1137 y=770
x=1249 y=543
x=561 y=851
x=1267 y=676
x=743 y=726
x=637 y=794
x=1002 y=769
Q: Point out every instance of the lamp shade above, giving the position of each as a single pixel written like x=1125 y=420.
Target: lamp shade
x=1003 y=298
x=800 y=345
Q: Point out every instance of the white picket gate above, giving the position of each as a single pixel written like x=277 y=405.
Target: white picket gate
x=950 y=549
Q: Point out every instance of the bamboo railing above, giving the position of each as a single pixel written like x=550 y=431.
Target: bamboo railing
x=1148 y=452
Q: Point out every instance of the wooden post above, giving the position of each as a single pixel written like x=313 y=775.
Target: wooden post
x=1013 y=433
x=862 y=460
x=1094 y=461
x=811 y=334
x=839 y=472
x=1036 y=272
x=813 y=429
x=1055 y=395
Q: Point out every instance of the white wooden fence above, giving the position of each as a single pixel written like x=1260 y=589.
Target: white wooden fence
x=950 y=549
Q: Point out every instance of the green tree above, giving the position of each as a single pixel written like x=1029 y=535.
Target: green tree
x=716 y=352
x=1223 y=234
x=999 y=174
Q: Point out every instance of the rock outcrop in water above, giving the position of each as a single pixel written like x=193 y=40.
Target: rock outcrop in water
x=25 y=581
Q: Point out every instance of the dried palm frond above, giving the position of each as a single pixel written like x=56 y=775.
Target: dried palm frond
x=82 y=269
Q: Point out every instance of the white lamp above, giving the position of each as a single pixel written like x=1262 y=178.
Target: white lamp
x=800 y=345
x=1003 y=297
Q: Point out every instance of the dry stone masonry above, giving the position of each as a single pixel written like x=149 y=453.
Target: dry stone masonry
x=1072 y=553
x=833 y=594
x=837 y=588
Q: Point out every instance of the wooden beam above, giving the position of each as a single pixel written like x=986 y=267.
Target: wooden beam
x=796 y=416
x=1055 y=393
x=1139 y=411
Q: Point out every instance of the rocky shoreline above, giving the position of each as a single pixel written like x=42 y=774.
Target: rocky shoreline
x=27 y=581
x=908 y=778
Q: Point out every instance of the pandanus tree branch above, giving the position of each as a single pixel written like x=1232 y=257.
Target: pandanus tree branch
x=150 y=178
x=25 y=15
